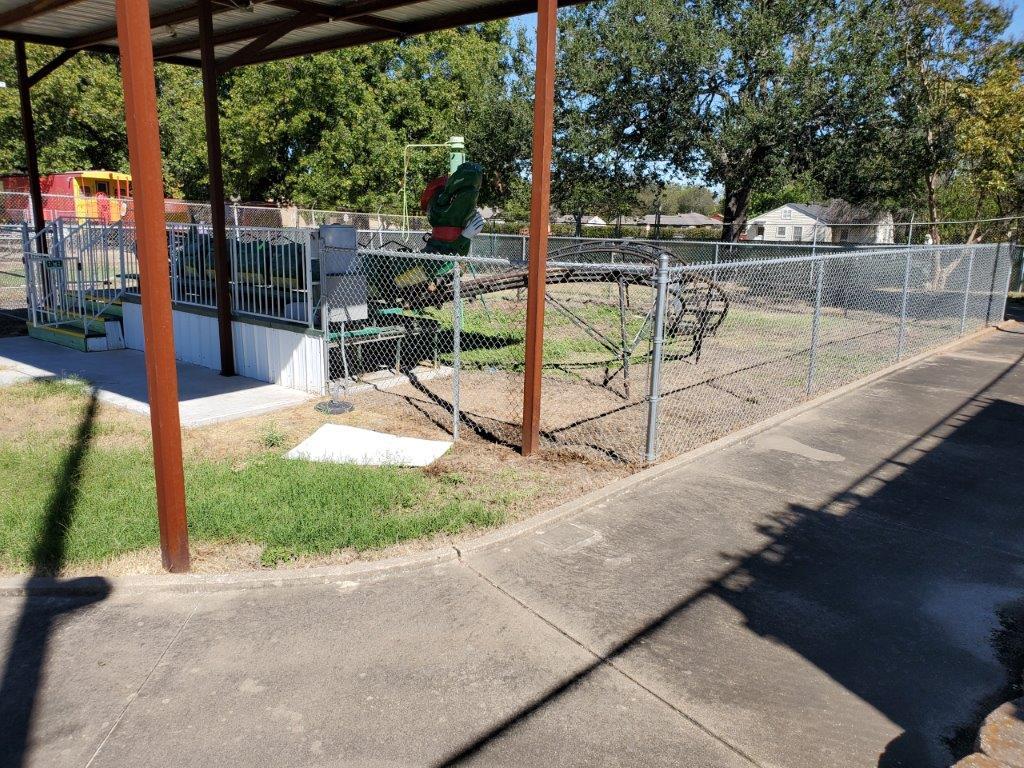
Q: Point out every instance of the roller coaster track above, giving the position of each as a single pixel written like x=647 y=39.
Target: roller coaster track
x=697 y=306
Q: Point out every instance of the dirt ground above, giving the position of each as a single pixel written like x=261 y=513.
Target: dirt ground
x=756 y=364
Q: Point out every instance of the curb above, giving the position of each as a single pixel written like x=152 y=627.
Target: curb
x=344 y=575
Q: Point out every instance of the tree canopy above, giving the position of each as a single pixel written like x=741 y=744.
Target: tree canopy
x=709 y=105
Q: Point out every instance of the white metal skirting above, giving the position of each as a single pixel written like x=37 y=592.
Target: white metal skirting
x=289 y=358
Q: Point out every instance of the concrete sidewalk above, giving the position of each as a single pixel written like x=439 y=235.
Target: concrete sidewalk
x=823 y=594
x=205 y=396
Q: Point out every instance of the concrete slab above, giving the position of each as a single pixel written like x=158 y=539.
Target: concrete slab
x=206 y=397
x=825 y=594
x=846 y=616
x=71 y=666
x=410 y=671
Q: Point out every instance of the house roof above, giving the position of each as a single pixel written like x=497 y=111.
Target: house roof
x=591 y=219
x=837 y=213
x=692 y=219
x=811 y=210
x=248 y=32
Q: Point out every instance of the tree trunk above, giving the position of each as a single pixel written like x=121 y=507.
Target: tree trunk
x=933 y=230
x=735 y=214
x=578 y=216
x=933 y=208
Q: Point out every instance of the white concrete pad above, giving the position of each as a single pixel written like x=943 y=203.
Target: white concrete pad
x=119 y=376
x=340 y=444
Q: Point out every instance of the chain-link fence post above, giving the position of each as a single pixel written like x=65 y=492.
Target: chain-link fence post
x=815 y=326
x=714 y=273
x=904 y=301
x=456 y=345
x=656 y=354
x=1020 y=276
x=1009 y=278
x=967 y=292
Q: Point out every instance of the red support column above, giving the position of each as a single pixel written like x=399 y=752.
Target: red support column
x=543 y=127
x=133 y=38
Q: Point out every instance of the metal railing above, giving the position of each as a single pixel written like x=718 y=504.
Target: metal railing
x=76 y=275
x=272 y=271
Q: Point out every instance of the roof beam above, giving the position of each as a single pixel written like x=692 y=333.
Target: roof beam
x=31 y=9
x=320 y=13
x=177 y=16
x=50 y=66
x=329 y=12
x=255 y=47
x=447 y=21
x=59 y=42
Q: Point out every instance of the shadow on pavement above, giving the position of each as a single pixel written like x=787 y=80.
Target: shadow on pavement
x=891 y=588
x=23 y=669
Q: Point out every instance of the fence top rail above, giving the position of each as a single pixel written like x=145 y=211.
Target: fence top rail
x=859 y=254
x=433 y=256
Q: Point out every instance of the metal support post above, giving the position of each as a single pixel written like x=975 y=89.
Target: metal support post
x=967 y=293
x=815 y=327
x=28 y=131
x=308 y=259
x=657 y=343
x=30 y=266
x=218 y=226
x=456 y=346
x=902 y=346
x=122 y=264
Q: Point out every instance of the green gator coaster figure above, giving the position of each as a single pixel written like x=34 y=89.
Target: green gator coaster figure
x=450 y=205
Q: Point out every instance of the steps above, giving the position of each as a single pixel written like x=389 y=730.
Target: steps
x=90 y=332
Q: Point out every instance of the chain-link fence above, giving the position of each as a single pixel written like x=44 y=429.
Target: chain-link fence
x=441 y=335
x=13 y=284
x=1017 y=269
x=644 y=356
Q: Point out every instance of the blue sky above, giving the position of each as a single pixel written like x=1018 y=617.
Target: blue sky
x=1017 y=27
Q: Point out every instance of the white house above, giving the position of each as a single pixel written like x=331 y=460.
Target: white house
x=588 y=220
x=836 y=223
x=670 y=221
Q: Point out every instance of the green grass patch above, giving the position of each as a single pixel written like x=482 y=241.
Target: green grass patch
x=37 y=390
x=62 y=504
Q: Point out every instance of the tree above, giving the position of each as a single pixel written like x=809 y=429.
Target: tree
x=725 y=88
x=677 y=198
x=78 y=111
x=989 y=133
x=943 y=48
x=329 y=129
x=614 y=119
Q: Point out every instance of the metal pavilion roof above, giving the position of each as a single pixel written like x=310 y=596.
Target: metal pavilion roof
x=248 y=32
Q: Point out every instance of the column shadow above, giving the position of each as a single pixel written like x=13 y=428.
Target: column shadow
x=23 y=673
x=894 y=587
